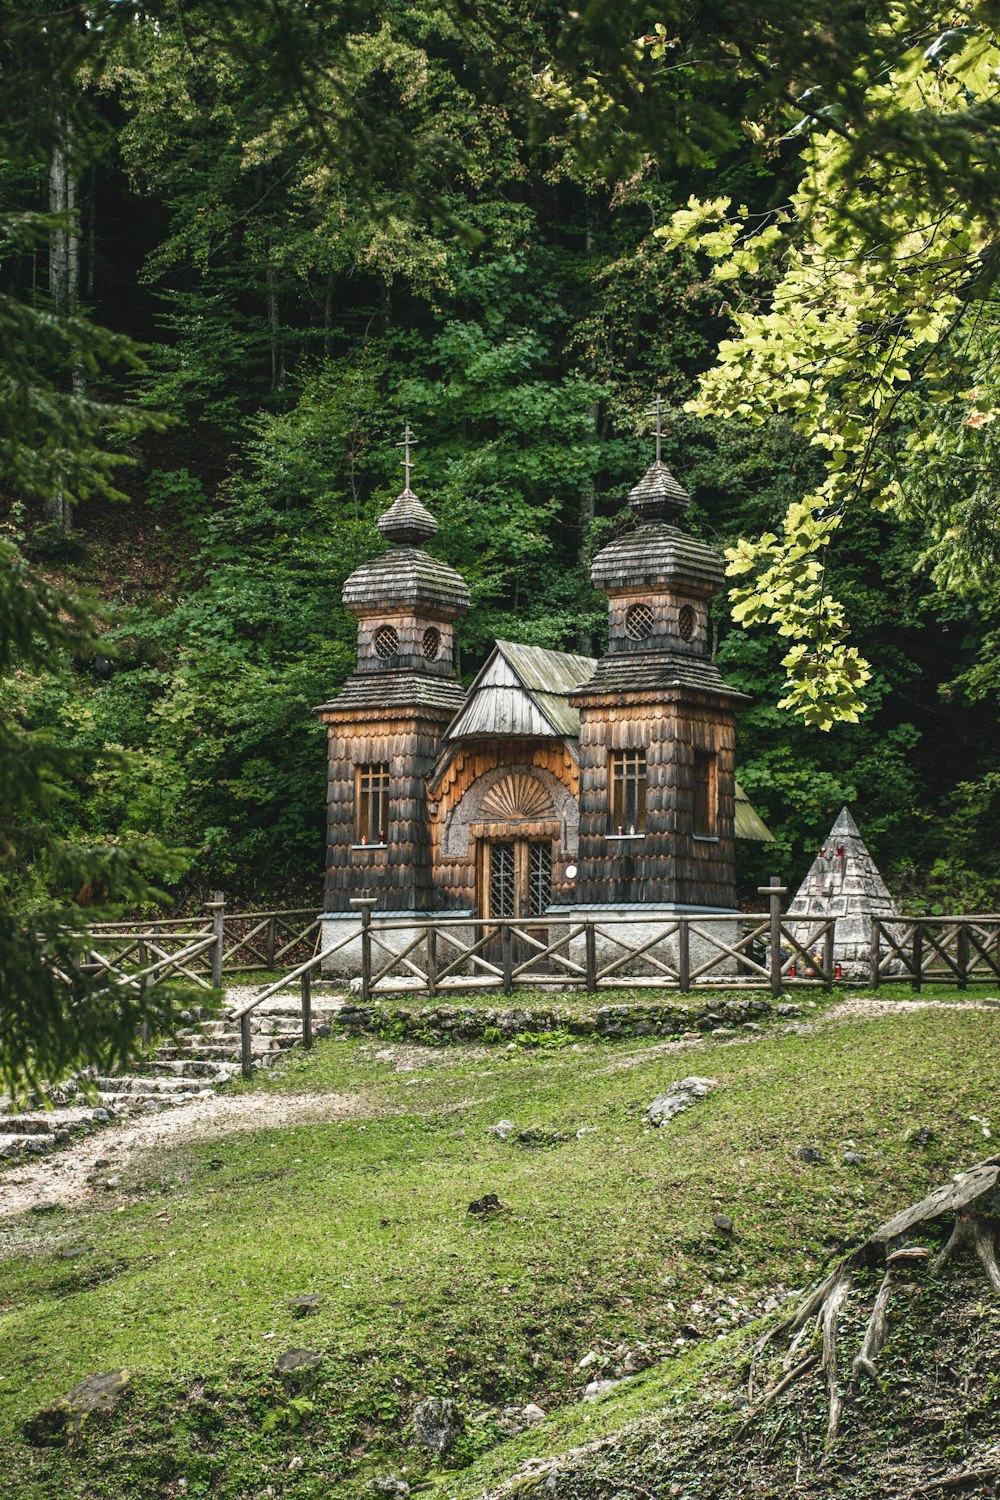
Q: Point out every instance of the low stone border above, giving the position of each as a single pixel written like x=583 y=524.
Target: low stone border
x=438 y=1024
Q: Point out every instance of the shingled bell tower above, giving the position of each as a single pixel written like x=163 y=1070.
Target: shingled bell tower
x=657 y=720
x=385 y=727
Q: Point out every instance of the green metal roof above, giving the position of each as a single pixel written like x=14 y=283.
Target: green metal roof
x=748 y=824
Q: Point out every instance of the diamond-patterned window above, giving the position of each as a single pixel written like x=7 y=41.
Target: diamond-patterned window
x=385 y=641
x=639 y=621
x=431 y=643
x=685 y=622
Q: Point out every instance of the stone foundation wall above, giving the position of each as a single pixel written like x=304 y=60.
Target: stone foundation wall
x=461 y=1023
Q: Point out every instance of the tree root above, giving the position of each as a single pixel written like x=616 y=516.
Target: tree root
x=971 y=1203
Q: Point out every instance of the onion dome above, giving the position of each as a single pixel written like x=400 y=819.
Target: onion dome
x=407 y=522
x=407 y=578
x=658 y=495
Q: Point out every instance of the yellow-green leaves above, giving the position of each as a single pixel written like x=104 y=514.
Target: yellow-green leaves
x=851 y=334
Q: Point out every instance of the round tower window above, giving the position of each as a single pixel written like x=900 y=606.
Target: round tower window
x=431 y=643
x=386 y=642
x=685 y=622
x=639 y=622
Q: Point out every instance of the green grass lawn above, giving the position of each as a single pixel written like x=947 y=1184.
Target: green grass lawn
x=606 y=1240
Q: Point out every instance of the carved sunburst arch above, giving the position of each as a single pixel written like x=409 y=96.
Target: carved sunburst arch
x=516 y=795
x=512 y=794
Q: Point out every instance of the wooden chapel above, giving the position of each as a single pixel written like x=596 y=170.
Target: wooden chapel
x=555 y=783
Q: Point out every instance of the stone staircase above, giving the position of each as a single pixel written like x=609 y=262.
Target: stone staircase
x=201 y=1057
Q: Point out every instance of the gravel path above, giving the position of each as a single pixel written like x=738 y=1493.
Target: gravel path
x=62 y=1177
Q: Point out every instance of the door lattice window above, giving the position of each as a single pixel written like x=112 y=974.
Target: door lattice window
x=502 y=880
x=628 y=791
x=539 y=879
x=371 y=804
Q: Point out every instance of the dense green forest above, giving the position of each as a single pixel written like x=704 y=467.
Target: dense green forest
x=497 y=288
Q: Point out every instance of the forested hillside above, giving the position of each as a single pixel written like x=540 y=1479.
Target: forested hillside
x=488 y=283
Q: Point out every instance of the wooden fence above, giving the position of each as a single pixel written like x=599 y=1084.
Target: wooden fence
x=241 y=942
x=639 y=949
x=936 y=950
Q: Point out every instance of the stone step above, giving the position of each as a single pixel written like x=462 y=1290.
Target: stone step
x=146 y=1084
x=181 y=1068
x=27 y=1125
x=24 y=1145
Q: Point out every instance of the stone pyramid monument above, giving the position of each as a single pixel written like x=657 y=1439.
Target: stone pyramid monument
x=843 y=882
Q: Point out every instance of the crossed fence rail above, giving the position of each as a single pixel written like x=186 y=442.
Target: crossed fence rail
x=239 y=942
x=449 y=955
x=935 y=950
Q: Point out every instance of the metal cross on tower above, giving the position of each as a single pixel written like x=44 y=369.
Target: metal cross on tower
x=408 y=441
x=656 y=410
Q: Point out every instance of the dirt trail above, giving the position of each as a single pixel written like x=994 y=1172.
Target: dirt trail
x=62 y=1177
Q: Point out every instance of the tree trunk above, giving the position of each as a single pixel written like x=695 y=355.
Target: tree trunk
x=64 y=273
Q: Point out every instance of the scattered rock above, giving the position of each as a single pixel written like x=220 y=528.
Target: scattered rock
x=296 y=1462
x=502 y=1129
x=533 y=1414
x=598 y=1388
x=112 y=1182
x=788 y=1010
x=437 y=1422
x=95 y=1396
x=723 y=1223
x=679 y=1096
x=301 y=1307
x=586 y=1130
x=590 y=1358
x=73 y=1252
x=388 y=1484
x=296 y=1364
x=809 y=1154
x=102 y=1116
x=102 y=1161
x=534 y=1135
x=853 y=1159
x=488 y=1204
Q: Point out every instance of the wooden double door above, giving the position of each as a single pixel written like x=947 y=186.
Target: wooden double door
x=515 y=877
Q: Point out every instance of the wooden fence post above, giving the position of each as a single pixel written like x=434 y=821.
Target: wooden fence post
x=918 y=957
x=272 y=940
x=590 y=949
x=432 y=950
x=217 y=906
x=307 y=1015
x=246 y=1050
x=365 y=903
x=962 y=955
x=828 y=955
x=875 y=961
x=774 y=892
x=507 y=957
x=684 y=956
x=141 y=955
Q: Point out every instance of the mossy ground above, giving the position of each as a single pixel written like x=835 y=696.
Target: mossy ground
x=606 y=1240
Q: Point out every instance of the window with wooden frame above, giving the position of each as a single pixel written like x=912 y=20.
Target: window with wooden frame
x=706 y=794
x=628 y=792
x=371 y=804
